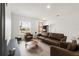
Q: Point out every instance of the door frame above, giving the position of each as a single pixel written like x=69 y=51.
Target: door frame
x=2 y=29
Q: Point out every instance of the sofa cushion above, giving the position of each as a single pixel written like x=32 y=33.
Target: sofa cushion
x=45 y=34
x=41 y=37
x=63 y=45
x=56 y=36
x=53 y=42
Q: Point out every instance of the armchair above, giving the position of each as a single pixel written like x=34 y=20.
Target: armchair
x=28 y=37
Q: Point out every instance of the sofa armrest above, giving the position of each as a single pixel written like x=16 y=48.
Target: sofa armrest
x=31 y=35
x=64 y=39
x=58 y=51
x=38 y=34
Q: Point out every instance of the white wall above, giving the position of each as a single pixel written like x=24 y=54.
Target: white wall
x=67 y=23
x=7 y=23
x=15 y=24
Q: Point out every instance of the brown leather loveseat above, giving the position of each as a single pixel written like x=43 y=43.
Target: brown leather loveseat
x=65 y=49
x=52 y=38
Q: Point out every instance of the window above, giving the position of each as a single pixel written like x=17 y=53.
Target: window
x=25 y=26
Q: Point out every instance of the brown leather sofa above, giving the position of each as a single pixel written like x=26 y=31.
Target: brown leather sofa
x=52 y=38
x=28 y=37
x=65 y=49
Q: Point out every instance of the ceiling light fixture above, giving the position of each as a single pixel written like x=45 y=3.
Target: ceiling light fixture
x=48 y=6
x=44 y=19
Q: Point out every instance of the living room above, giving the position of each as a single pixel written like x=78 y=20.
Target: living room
x=58 y=18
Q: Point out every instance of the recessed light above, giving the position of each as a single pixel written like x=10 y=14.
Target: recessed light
x=44 y=19
x=48 y=6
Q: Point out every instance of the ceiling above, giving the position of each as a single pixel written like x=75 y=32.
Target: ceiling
x=39 y=10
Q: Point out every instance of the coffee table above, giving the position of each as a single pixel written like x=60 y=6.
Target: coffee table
x=31 y=44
